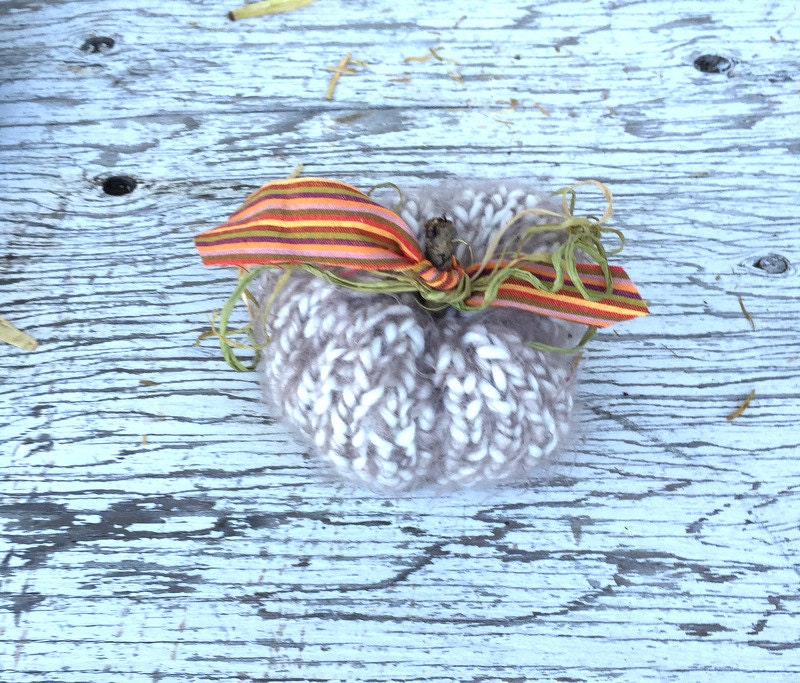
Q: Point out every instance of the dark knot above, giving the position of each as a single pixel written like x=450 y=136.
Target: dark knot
x=440 y=233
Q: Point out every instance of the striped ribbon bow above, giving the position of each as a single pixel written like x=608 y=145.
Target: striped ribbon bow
x=335 y=231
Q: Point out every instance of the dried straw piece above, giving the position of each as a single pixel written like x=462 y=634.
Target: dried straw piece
x=742 y=407
x=421 y=58
x=259 y=9
x=432 y=52
x=747 y=314
x=341 y=68
x=12 y=335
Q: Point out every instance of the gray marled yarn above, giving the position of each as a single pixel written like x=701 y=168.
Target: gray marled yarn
x=395 y=396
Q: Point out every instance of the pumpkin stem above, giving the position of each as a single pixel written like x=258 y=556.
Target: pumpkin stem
x=440 y=233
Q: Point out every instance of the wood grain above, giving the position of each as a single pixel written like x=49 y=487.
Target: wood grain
x=157 y=524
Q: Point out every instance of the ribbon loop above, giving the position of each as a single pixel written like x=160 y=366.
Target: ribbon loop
x=336 y=232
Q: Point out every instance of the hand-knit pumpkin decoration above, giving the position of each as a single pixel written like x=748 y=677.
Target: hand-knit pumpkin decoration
x=404 y=367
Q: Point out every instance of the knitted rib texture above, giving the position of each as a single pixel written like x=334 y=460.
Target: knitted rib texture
x=395 y=396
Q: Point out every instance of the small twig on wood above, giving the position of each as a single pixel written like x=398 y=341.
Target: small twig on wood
x=422 y=58
x=746 y=314
x=514 y=103
x=670 y=350
x=544 y=111
x=742 y=407
x=12 y=335
x=259 y=9
x=437 y=56
x=350 y=118
x=341 y=68
x=432 y=52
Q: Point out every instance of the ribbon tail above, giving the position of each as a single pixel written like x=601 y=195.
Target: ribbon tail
x=622 y=302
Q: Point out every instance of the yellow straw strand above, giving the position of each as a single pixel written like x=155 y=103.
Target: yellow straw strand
x=747 y=314
x=742 y=406
x=260 y=9
x=16 y=337
x=338 y=70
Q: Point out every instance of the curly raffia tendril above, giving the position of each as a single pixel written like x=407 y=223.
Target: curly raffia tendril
x=334 y=232
x=584 y=234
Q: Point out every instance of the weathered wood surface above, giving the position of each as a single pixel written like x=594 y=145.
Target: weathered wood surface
x=157 y=524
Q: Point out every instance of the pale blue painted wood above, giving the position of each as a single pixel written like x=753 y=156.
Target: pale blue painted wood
x=158 y=525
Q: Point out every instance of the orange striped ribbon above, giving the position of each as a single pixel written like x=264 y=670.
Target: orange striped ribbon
x=329 y=224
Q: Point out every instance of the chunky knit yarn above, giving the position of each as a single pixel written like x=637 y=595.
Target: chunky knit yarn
x=397 y=396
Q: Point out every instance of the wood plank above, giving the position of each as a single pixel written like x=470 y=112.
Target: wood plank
x=157 y=523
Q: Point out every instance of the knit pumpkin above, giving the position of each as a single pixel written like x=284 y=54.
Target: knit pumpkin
x=396 y=395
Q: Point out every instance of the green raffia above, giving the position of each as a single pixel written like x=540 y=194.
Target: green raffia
x=226 y=344
x=584 y=236
x=539 y=346
x=380 y=186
